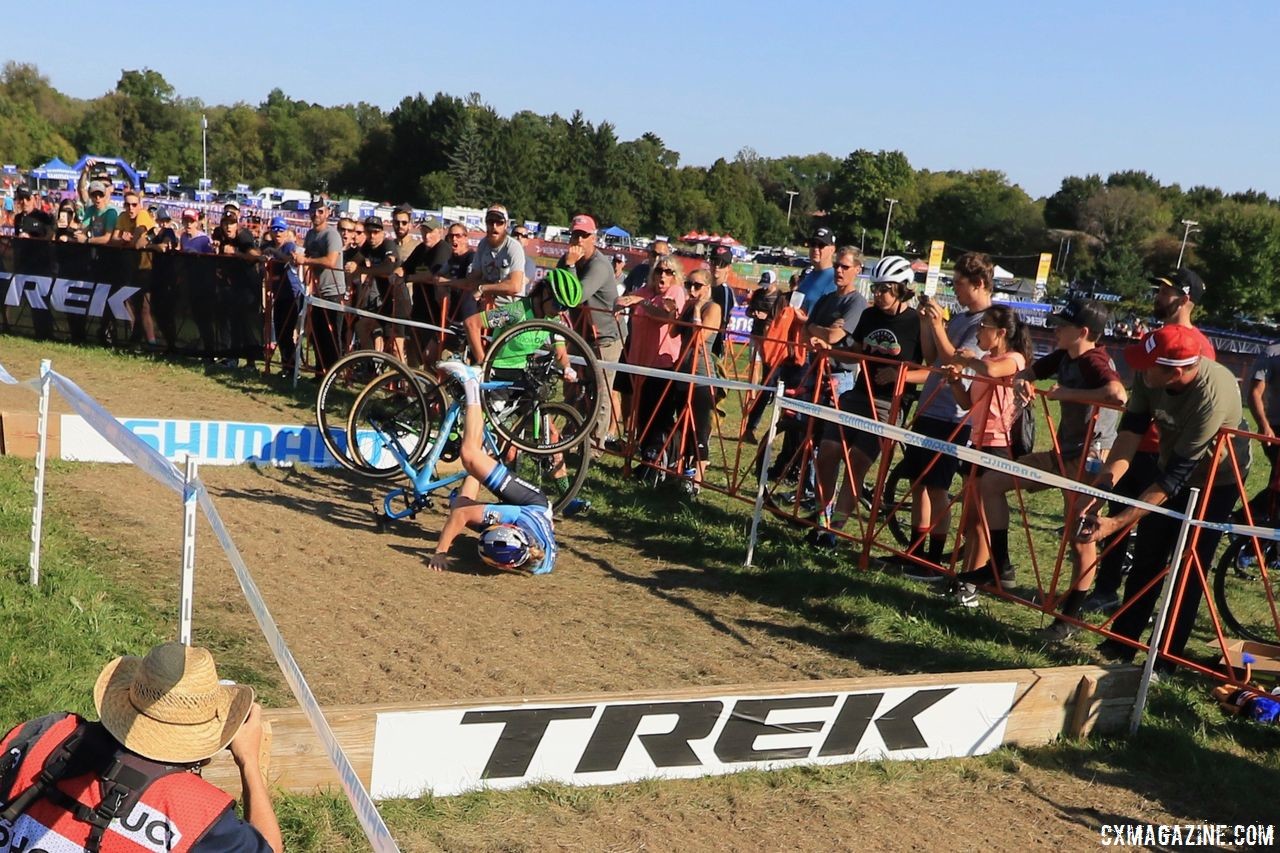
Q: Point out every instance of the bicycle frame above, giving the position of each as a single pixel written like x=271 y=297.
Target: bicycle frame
x=421 y=482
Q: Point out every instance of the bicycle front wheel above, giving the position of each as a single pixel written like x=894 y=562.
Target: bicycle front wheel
x=1247 y=591
x=558 y=474
x=528 y=361
x=336 y=399
x=394 y=422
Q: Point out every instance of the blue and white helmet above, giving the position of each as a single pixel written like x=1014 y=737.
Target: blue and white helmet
x=504 y=546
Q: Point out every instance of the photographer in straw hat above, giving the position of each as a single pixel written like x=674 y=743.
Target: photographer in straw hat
x=131 y=782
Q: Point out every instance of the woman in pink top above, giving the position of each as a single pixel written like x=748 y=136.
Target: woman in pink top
x=1007 y=347
x=654 y=342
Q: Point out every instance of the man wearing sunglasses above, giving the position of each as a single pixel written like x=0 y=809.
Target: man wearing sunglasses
x=99 y=219
x=596 y=317
x=521 y=233
x=819 y=279
x=497 y=268
x=722 y=293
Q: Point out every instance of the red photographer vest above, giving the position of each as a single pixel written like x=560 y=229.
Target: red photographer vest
x=66 y=785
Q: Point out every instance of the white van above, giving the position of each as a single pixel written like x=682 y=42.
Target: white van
x=269 y=198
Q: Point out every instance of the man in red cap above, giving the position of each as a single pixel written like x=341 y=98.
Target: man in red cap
x=1191 y=399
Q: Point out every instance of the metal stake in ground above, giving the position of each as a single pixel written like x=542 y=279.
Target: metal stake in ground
x=186 y=596
x=42 y=448
x=763 y=474
x=1157 y=632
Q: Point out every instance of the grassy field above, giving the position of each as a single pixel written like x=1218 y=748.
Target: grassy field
x=1188 y=759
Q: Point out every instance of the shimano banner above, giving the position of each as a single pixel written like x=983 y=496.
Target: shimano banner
x=185 y=303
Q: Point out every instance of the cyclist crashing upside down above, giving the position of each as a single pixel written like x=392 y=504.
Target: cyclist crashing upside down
x=517 y=533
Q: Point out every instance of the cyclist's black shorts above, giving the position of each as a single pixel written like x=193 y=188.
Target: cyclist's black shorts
x=510 y=489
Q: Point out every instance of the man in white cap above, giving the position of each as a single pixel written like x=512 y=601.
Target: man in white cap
x=99 y=218
x=128 y=782
x=497 y=268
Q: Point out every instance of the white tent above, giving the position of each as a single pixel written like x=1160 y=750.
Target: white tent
x=1001 y=272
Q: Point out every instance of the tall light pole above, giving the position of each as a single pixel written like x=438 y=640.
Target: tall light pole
x=791 y=196
x=863 y=248
x=204 y=147
x=1188 y=225
x=887 y=220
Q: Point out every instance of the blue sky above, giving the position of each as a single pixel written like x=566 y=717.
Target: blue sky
x=1185 y=91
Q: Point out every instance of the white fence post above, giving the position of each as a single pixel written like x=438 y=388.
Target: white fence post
x=763 y=473
x=1157 y=632
x=42 y=450
x=186 y=596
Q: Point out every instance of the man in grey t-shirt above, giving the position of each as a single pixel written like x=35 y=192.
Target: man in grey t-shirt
x=497 y=268
x=321 y=260
x=599 y=298
x=939 y=416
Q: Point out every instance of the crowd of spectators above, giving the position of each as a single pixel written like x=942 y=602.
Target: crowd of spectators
x=970 y=370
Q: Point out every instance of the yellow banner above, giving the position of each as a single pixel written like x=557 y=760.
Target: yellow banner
x=935 y=266
x=1042 y=271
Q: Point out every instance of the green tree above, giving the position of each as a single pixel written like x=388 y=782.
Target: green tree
x=1240 y=252
x=981 y=211
x=1063 y=208
x=859 y=187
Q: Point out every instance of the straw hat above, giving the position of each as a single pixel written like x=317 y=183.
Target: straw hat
x=169 y=706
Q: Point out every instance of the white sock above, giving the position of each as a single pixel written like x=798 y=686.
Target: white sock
x=472 y=388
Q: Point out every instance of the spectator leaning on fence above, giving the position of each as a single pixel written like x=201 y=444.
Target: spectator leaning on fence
x=638 y=276
x=889 y=329
x=99 y=219
x=595 y=317
x=1264 y=402
x=1005 y=345
x=320 y=256
x=192 y=238
x=1086 y=379
x=939 y=417
x=819 y=279
x=1174 y=298
x=497 y=267
x=30 y=221
x=700 y=321
x=654 y=342
x=1192 y=399
x=69 y=784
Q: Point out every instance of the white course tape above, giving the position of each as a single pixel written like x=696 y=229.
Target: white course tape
x=146 y=458
x=6 y=377
x=138 y=451
x=347 y=309
x=366 y=812
x=658 y=373
x=1008 y=466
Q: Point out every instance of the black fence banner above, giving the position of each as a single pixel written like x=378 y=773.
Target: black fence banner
x=204 y=305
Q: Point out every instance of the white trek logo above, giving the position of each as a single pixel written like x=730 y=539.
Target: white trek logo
x=67 y=295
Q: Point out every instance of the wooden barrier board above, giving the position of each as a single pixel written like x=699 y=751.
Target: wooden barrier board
x=1031 y=707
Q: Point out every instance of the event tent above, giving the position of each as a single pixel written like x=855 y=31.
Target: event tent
x=55 y=170
x=615 y=231
x=1001 y=272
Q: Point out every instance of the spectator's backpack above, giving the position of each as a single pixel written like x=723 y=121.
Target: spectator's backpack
x=1022 y=436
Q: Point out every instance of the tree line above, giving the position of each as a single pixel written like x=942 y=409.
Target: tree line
x=447 y=150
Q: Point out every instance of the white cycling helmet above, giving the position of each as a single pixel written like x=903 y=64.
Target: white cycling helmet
x=893 y=269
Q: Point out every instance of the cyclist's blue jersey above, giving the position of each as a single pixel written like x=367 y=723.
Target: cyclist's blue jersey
x=533 y=520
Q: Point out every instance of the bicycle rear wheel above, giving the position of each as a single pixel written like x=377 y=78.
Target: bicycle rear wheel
x=337 y=395
x=527 y=357
x=558 y=474
x=395 y=419
x=1247 y=601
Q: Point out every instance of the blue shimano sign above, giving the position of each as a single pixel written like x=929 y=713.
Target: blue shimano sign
x=234 y=442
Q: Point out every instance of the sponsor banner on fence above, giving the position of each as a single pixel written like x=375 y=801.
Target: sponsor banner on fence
x=181 y=302
x=210 y=442
x=451 y=751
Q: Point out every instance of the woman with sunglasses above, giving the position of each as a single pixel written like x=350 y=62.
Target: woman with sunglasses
x=654 y=342
x=699 y=331
x=1007 y=346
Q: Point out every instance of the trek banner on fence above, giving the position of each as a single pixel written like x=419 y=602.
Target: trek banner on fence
x=192 y=304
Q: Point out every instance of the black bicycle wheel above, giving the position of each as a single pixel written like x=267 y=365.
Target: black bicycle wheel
x=1241 y=592
x=896 y=503
x=559 y=475
x=337 y=395
x=392 y=418
x=530 y=356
